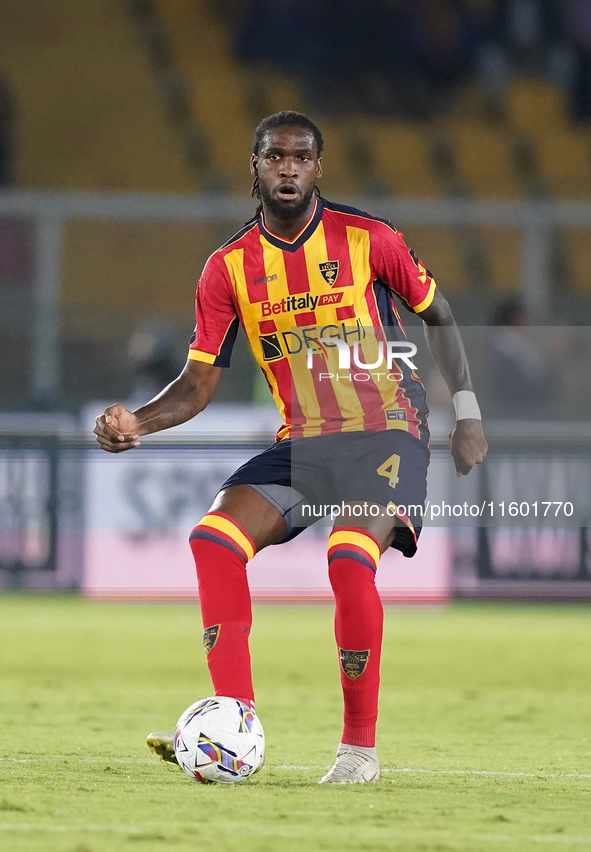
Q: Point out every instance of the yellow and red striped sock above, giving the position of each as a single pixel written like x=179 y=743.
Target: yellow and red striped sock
x=221 y=549
x=353 y=556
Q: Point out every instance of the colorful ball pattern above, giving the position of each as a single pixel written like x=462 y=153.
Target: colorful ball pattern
x=219 y=739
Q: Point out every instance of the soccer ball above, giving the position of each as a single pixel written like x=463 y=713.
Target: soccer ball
x=219 y=739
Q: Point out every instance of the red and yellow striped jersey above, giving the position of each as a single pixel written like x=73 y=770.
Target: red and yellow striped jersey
x=336 y=279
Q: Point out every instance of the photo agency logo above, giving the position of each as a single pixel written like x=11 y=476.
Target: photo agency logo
x=387 y=353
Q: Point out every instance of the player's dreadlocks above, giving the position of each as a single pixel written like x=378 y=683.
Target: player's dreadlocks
x=287 y=118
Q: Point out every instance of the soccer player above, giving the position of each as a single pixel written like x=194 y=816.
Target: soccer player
x=312 y=283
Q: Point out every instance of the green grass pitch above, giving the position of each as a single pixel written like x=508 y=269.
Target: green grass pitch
x=484 y=732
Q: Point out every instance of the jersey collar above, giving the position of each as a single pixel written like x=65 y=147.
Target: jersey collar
x=305 y=233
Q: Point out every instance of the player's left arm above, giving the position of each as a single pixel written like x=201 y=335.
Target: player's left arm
x=393 y=262
x=468 y=443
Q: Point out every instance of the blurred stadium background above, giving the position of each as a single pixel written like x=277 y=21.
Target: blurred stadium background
x=125 y=130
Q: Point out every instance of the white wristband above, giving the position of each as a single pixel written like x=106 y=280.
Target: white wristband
x=466 y=406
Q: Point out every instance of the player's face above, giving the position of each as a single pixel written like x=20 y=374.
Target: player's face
x=287 y=167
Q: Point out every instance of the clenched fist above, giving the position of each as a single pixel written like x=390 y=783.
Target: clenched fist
x=117 y=429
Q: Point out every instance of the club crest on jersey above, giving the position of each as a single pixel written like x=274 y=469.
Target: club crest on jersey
x=353 y=663
x=329 y=271
x=210 y=637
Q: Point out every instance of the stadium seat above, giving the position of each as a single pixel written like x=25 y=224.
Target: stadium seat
x=402 y=159
x=282 y=93
x=227 y=125
x=504 y=253
x=485 y=160
x=220 y=104
x=576 y=244
x=340 y=179
x=442 y=251
x=562 y=152
x=534 y=106
x=159 y=265
x=224 y=108
x=90 y=113
x=564 y=161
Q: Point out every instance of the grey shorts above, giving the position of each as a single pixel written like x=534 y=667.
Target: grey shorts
x=284 y=498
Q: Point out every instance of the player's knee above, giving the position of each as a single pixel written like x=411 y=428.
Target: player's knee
x=222 y=530
x=356 y=546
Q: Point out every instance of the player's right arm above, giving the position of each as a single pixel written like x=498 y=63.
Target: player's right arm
x=119 y=429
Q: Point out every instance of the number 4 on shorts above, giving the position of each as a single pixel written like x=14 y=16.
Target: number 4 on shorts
x=390 y=469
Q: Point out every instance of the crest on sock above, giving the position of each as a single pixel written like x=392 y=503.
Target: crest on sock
x=210 y=637
x=353 y=663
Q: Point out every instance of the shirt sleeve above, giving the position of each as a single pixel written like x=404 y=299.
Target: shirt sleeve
x=399 y=267
x=216 y=319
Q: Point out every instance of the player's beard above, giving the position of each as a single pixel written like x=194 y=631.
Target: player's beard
x=285 y=211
